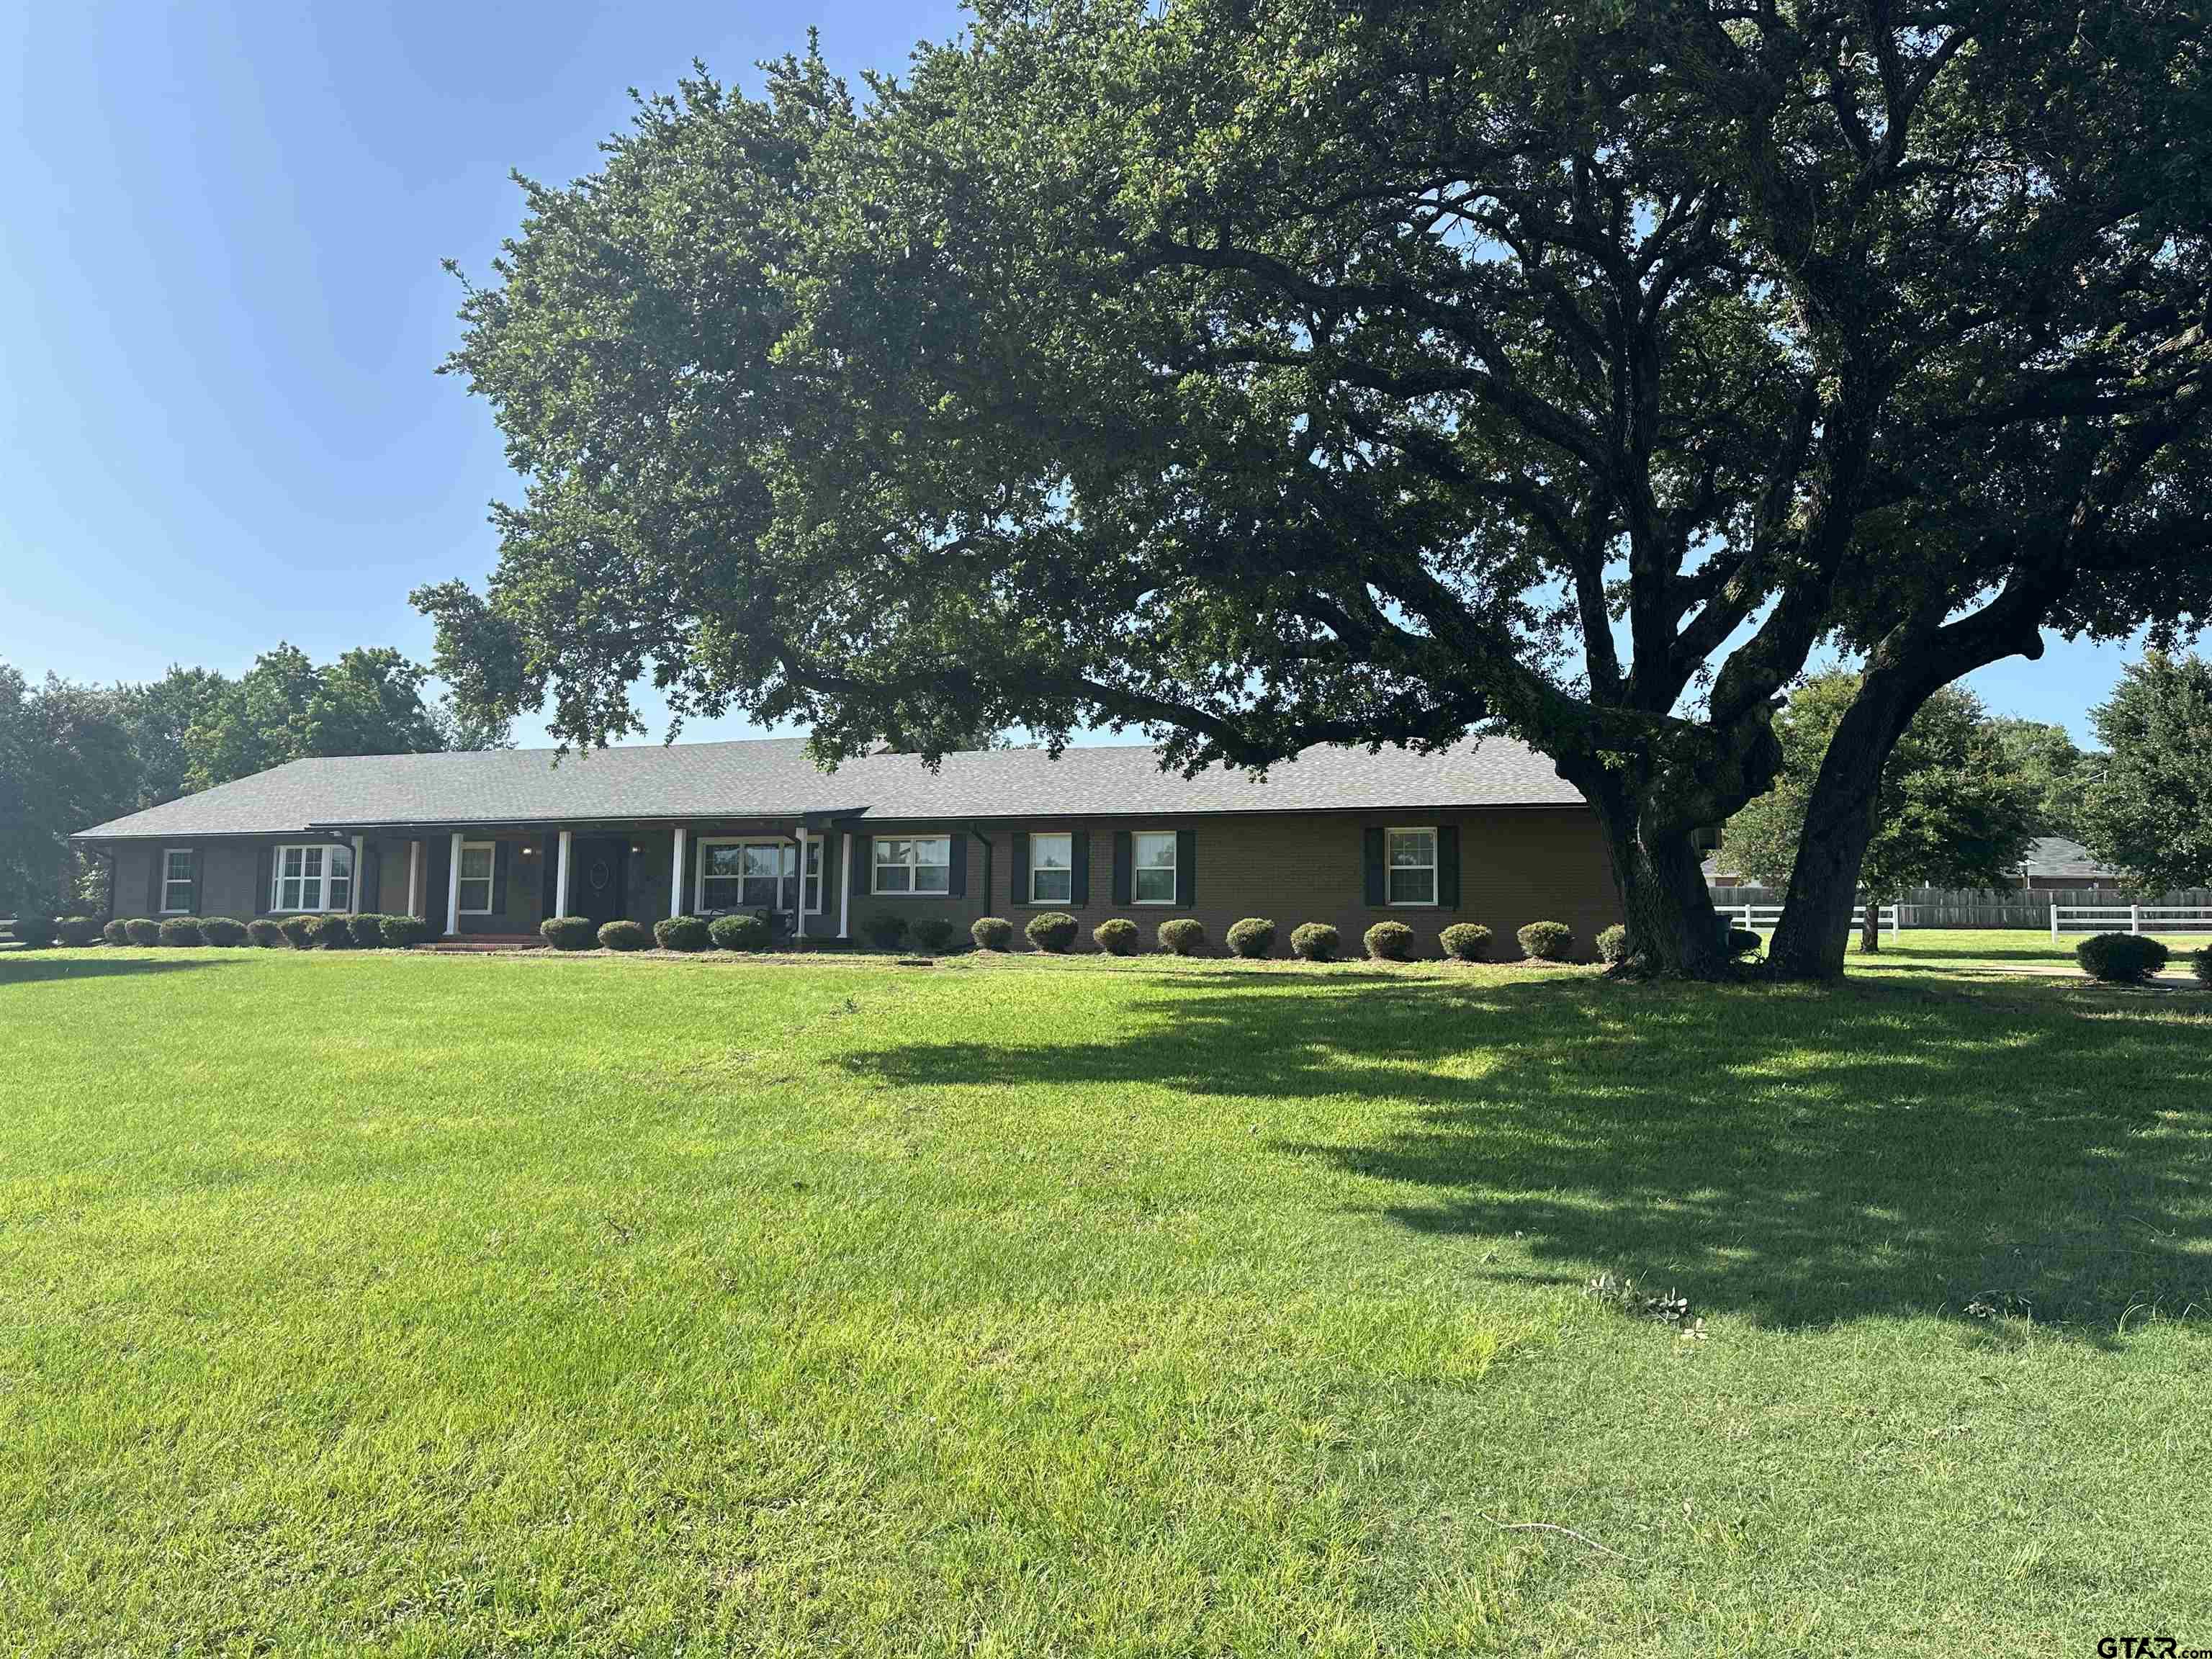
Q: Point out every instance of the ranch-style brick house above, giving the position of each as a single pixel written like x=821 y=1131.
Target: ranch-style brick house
x=485 y=846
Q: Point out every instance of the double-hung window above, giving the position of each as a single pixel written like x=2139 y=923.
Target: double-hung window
x=477 y=861
x=1052 y=869
x=176 y=881
x=921 y=865
x=1413 y=866
x=1153 y=854
x=758 y=875
x=314 y=877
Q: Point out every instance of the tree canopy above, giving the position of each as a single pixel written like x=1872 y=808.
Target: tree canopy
x=65 y=761
x=287 y=707
x=2044 y=757
x=2148 y=811
x=1329 y=373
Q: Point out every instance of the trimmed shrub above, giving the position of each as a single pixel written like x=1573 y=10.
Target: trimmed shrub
x=404 y=932
x=1116 y=936
x=265 y=932
x=142 y=930
x=1465 y=941
x=76 y=932
x=224 y=930
x=34 y=933
x=1613 y=943
x=626 y=935
x=366 y=931
x=2120 y=958
x=300 y=930
x=1051 y=930
x=181 y=931
x=1547 y=941
x=1253 y=936
x=114 y=934
x=1742 y=942
x=1183 y=936
x=741 y=932
x=1389 y=941
x=682 y=933
x=333 y=932
x=886 y=930
x=1314 y=941
x=992 y=933
x=935 y=934
x=2200 y=964
x=569 y=932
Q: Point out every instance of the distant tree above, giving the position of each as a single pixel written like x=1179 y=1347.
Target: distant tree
x=285 y=708
x=1951 y=813
x=466 y=731
x=2044 y=757
x=65 y=761
x=160 y=715
x=2148 y=812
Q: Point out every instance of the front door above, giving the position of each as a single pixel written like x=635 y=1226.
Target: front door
x=596 y=869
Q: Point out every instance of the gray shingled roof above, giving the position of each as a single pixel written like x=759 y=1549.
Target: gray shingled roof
x=773 y=777
x=2054 y=857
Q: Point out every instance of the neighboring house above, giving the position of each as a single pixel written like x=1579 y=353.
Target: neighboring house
x=491 y=843
x=2053 y=861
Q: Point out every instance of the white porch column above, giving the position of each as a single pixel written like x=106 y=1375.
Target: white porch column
x=845 y=887
x=561 y=880
x=676 y=876
x=415 y=877
x=799 y=926
x=353 y=892
x=453 y=887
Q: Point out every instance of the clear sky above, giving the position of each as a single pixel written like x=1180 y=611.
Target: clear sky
x=221 y=305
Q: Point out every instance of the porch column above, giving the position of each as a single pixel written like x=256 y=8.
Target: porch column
x=676 y=876
x=845 y=887
x=799 y=926
x=560 y=879
x=415 y=877
x=453 y=888
x=353 y=906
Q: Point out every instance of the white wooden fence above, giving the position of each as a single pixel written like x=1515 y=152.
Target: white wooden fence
x=2133 y=918
x=1763 y=917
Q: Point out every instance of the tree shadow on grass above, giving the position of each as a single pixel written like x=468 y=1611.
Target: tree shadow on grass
x=1798 y=1157
x=22 y=968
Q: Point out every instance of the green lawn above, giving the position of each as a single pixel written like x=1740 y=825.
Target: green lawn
x=411 y=1305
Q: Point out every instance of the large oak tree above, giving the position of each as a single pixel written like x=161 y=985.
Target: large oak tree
x=1264 y=374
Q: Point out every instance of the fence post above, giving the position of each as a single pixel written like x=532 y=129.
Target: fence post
x=2054 y=921
x=2135 y=918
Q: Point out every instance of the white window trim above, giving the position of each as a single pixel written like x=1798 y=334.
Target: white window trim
x=1436 y=854
x=1174 y=864
x=876 y=867
x=322 y=906
x=167 y=881
x=814 y=850
x=491 y=876
x=1028 y=884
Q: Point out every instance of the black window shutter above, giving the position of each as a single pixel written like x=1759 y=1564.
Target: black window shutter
x=1186 y=867
x=1123 y=859
x=198 y=867
x=957 y=882
x=1447 y=866
x=549 y=877
x=154 y=875
x=499 y=877
x=1374 y=891
x=691 y=857
x=864 y=858
x=265 y=873
x=1079 y=854
x=1018 y=876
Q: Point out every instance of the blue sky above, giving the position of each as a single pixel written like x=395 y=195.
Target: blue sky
x=221 y=306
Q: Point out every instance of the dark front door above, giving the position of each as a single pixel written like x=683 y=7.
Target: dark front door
x=595 y=878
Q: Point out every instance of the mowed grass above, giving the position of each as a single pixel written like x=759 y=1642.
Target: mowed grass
x=403 y=1305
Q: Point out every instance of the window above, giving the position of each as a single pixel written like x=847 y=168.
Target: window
x=758 y=875
x=1052 y=869
x=476 y=877
x=1154 y=855
x=814 y=875
x=919 y=865
x=176 y=881
x=311 y=878
x=1413 y=866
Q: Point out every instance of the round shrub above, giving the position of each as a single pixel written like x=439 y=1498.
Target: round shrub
x=626 y=935
x=682 y=933
x=741 y=932
x=1316 y=941
x=1742 y=942
x=265 y=932
x=366 y=931
x=569 y=932
x=142 y=930
x=935 y=934
x=1183 y=936
x=403 y=932
x=76 y=932
x=1051 y=930
x=1613 y=943
x=181 y=930
x=1255 y=936
x=1465 y=941
x=1547 y=941
x=1389 y=941
x=333 y=932
x=114 y=934
x=34 y=933
x=1116 y=936
x=886 y=930
x=2200 y=964
x=990 y=932
x=222 y=931
x=300 y=930
x=2120 y=958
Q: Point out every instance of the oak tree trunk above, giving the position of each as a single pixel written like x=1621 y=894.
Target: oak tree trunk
x=1673 y=931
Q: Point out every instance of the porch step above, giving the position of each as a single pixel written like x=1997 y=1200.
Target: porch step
x=476 y=944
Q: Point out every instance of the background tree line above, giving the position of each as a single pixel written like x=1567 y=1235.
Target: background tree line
x=73 y=754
